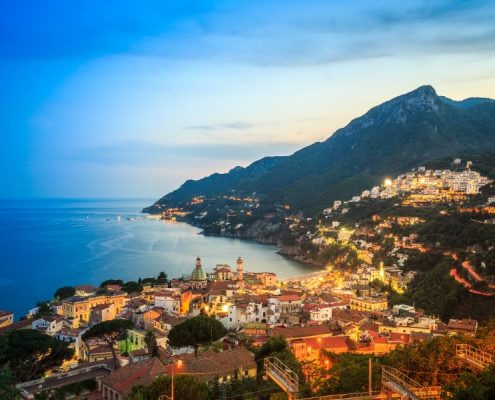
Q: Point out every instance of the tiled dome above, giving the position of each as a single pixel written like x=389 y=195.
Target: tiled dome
x=198 y=274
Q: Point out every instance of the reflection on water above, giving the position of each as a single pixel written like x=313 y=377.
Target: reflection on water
x=52 y=243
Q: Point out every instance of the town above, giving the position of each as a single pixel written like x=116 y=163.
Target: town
x=215 y=323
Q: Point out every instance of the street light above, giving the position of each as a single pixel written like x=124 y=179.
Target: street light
x=172 y=397
x=179 y=364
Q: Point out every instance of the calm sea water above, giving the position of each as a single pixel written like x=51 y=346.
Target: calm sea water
x=46 y=244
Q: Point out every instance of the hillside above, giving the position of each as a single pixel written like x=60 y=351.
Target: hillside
x=406 y=131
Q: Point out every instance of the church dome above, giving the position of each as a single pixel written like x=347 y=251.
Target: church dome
x=198 y=274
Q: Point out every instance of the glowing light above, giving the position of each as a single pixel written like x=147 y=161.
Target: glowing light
x=179 y=363
x=388 y=182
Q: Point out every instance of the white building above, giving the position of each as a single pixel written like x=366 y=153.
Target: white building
x=49 y=324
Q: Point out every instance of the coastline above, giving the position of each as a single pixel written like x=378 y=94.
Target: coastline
x=286 y=252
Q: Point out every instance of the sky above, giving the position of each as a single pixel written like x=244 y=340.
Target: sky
x=130 y=99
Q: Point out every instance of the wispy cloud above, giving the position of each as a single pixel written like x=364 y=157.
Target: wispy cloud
x=150 y=153
x=222 y=126
x=262 y=33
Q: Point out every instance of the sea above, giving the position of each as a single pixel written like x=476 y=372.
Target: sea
x=49 y=243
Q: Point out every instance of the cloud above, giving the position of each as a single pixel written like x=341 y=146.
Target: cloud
x=149 y=153
x=223 y=126
x=260 y=33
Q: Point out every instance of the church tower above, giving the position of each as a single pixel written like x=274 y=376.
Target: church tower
x=199 y=279
x=240 y=269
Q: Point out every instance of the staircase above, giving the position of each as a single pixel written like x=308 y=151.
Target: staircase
x=283 y=376
x=473 y=356
x=395 y=381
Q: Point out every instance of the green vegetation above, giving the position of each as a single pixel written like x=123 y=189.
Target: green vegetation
x=197 y=331
x=29 y=354
x=44 y=308
x=391 y=138
x=132 y=287
x=151 y=344
x=185 y=388
x=277 y=347
x=112 y=282
x=470 y=386
x=64 y=292
x=109 y=332
x=8 y=391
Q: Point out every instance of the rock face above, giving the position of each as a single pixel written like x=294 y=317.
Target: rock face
x=395 y=136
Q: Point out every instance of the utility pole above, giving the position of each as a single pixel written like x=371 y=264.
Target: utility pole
x=223 y=391
x=370 y=380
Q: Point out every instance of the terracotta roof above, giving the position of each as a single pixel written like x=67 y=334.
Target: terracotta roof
x=70 y=331
x=463 y=324
x=17 y=325
x=102 y=349
x=140 y=373
x=327 y=343
x=139 y=352
x=5 y=313
x=348 y=315
x=399 y=337
x=51 y=318
x=171 y=319
x=301 y=331
x=210 y=364
x=289 y=297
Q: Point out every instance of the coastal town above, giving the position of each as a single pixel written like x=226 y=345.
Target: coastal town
x=326 y=311
x=350 y=305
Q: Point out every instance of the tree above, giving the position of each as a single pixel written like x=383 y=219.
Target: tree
x=30 y=353
x=44 y=308
x=65 y=292
x=133 y=287
x=470 y=386
x=151 y=345
x=186 y=387
x=109 y=332
x=196 y=331
x=112 y=282
x=161 y=278
x=8 y=391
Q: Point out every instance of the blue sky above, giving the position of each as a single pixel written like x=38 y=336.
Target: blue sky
x=129 y=99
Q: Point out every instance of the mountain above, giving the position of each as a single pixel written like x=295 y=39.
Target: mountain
x=400 y=134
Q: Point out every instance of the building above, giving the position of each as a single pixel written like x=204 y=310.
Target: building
x=175 y=301
x=198 y=279
x=136 y=337
x=223 y=366
x=74 y=337
x=240 y=269
x=302 y=332
x=267 y=278
x=6 y=318
x=377 y=303
x=102 y=312
x=49 y=324
x=118 y=385
x=462 y=326
x=85 y=290
x=99 y=353
x=79 y=308
x=309 y=348
x=223 y=272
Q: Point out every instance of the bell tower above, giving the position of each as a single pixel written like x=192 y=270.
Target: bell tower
x=240 y=269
